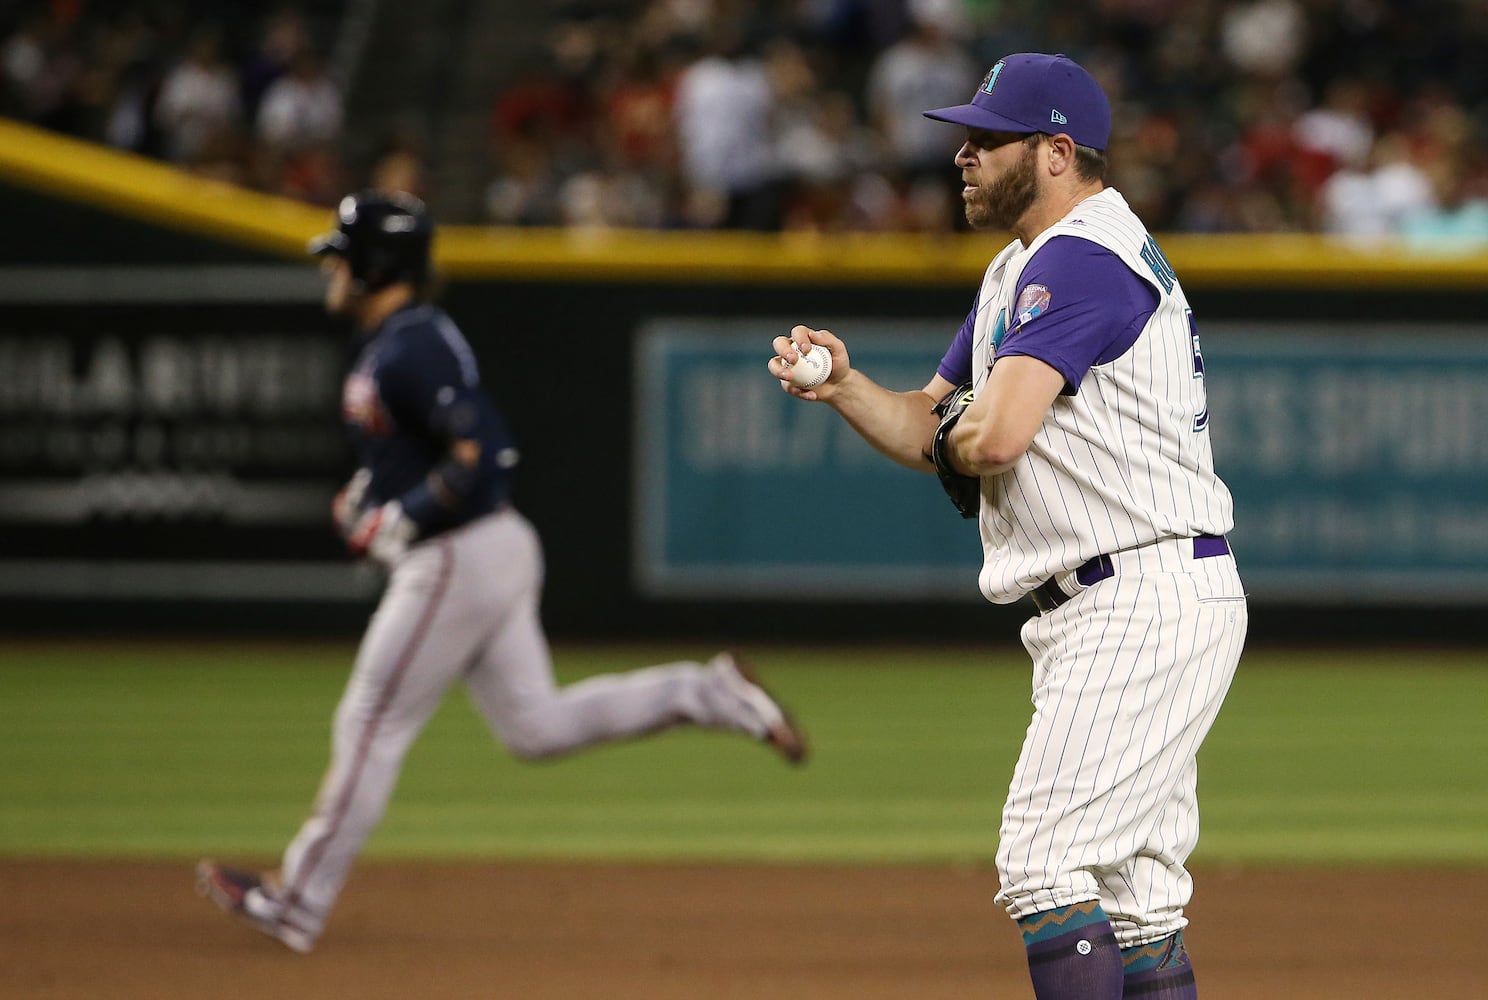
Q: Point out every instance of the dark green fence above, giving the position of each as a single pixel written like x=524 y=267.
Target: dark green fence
x=169 y=444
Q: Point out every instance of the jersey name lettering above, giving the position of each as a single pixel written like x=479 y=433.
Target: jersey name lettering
x=1161 y=269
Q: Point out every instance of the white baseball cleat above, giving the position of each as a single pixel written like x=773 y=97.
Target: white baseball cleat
x=243 y=894
x=781 y=731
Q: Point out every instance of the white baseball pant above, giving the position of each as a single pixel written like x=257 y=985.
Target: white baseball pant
x=1128 y=677
x=464 y=605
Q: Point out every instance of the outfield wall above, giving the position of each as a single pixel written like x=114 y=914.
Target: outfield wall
x=168 y=444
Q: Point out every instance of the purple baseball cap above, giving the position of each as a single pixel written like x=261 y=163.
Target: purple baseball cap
x=1034 y=92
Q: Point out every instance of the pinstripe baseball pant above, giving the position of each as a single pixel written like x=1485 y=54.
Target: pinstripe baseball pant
x=1128 y=677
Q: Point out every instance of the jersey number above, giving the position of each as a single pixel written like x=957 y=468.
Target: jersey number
x=1201 y=419
x=1154 y=258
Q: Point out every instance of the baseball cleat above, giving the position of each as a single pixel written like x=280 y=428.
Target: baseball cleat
x=243 y=894
x=781 y=731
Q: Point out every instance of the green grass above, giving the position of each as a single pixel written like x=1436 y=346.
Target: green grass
x=174 y=750
x=1353 y=757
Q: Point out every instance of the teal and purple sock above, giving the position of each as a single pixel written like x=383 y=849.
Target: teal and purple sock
x=1072 y=953
x=1159 y=971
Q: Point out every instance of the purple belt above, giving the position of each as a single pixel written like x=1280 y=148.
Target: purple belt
x=1047 y=596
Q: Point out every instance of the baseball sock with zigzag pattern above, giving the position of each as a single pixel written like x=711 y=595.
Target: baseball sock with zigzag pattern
x=1072 y=953
x=1159 y=971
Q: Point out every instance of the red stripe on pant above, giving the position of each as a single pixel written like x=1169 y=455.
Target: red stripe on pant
x=389 y=691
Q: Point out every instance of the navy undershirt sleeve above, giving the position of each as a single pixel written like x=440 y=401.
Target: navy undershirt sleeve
x=412 y=380
x=1078 y=306
x=430 y=391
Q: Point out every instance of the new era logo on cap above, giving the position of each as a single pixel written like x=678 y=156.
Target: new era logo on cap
x=1032 y=91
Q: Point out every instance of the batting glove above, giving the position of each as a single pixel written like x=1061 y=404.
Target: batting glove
x=346 y=508
x=383 y=533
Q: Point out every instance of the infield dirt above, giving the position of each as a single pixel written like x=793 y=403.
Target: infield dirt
x=611 y=931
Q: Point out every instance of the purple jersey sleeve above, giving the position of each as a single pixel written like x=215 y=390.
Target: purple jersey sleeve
x=955 y=367
x=1078 y=305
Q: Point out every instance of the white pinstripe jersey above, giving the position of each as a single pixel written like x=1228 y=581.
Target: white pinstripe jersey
x=1124 y=461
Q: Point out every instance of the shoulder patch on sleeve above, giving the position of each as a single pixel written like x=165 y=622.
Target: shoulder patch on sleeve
x=1034 y=302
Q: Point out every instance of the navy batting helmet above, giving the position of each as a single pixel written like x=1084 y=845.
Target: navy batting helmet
x=385 y=238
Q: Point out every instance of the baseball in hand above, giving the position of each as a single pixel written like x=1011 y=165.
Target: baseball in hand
x=811 y=369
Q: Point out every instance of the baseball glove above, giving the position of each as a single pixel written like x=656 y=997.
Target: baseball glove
x=965 y=491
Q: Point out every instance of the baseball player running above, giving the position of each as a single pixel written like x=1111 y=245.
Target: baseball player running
x=1072 y=423
x=432 y=503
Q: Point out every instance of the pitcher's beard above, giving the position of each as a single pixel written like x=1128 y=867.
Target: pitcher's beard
x=1002 y=203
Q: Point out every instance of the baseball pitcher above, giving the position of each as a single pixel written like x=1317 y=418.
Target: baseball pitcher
x=1069 y=418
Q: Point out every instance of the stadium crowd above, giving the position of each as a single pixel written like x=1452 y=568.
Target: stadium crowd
x=243 y=98
x=1367 y=118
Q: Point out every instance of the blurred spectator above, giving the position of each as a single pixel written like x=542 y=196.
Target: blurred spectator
x=1263 y=160
x=23 y=60
x=313 y=173
x=1147 y=149
x=299 y=129
x=928 y=68
x=1373 y=200
x=854 y=26
x=637 y=115
x=401 y=165
x=198 y=99
x=226 y=156
x=1264 y=38
x=549 y=102
x=141 y=65
x=285 y=36
x=1336 y=131
x=525 y=191
x=636 y=137
x=598 y=199
x=832 y=160
x=1457 y=168
x=722 y=113
x=41 y=62
x=542 y=128
x=302 y=108
x=94 y=79
x=1366 y=117
x=1458 y=222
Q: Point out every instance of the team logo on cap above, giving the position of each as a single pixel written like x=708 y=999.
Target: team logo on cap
x=990 y=80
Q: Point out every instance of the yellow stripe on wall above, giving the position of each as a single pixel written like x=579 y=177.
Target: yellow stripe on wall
x=154 y=192
x=140 y=188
